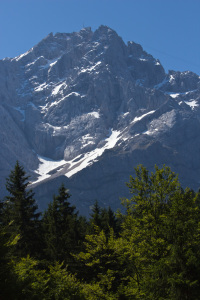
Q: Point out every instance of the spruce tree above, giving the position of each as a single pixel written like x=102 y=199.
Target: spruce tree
x=104 y=218
x=95 y=216
x=109 y=220
x=20 y=211
x=60 y=228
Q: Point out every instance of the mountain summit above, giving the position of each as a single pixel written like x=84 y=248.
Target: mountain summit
x=84 y=108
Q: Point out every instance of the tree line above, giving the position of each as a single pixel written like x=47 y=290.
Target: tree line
x=151 y=251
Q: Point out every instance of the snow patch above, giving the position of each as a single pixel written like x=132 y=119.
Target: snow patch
x=91 y=68
x=62 y=99
x=32 y=63
x=46 y=165
x=73 y=94
x=41 y=87
x=90 y=157
x=125 y=114
x=95 y=114
x=51 y=63
x=56 y=129
x=192 y=103
x=173 y=95
x=141 y=117
x=150 y=132
x=17 y=58
x=57 y=88
x=171 y=78
x=87 y=140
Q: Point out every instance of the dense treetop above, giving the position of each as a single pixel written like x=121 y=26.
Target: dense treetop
x=149 y=252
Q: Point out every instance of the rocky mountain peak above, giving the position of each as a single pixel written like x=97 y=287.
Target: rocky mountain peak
x=84 y=108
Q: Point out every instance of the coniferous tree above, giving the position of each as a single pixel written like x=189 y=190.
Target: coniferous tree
x=109 y=220
x=20 y=210
x=156 y=255
x=95 y=216
x=60 y=227
x=104 y=218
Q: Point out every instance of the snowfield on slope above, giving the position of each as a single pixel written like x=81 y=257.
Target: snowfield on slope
x=90 y=157
x=47 y=165
x=75 y=165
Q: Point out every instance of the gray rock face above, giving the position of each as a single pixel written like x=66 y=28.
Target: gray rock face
x=85 y=108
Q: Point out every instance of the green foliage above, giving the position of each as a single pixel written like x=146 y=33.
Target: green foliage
x=104 y=218
x=151 y=192
x=183 y=238
x=32 y=283
x=98 y=253
x=7 y=278
x=95 y=291
x=157 y=255
x=105 y=260
x=154 y=256
x=162 y=225
x=56 y=283
x=63 y=285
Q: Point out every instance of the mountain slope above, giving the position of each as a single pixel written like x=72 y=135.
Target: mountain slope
x=85 y=108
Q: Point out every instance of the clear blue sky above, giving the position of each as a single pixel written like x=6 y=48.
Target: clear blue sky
x=167 y=29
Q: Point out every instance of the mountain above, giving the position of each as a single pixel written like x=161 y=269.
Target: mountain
x=84 y=108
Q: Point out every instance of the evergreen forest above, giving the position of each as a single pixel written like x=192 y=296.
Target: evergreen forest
x=149 y=250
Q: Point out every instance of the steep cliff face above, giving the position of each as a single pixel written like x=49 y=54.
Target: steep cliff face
x=85 y=108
